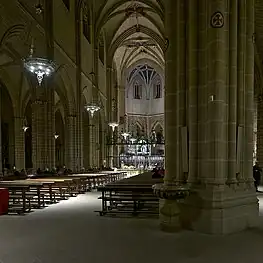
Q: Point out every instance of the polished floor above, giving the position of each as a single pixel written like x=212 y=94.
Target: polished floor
x=71 y=232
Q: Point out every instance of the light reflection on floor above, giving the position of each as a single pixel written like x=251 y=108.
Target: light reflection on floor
x=70 y=231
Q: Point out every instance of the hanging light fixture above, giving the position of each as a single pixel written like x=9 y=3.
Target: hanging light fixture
x=56 y=136
x=113 y=125
x=92 y=108
x=41 y=67
x=133 y=140
x=25 y=128
x=125 y=135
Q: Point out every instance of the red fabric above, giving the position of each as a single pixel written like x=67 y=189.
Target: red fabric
x=4 y=199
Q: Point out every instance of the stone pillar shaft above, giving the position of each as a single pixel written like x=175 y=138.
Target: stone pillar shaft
x=216 y=131
x=221 y=107
x=38 y=134
x=92 y=140
x=193 y=91
x=71 y=147
x=249 y=93
x=1 y=161
x=240 y=79
x=50 y=127
x=19 y=143
x=172 y=93
x=232 y=92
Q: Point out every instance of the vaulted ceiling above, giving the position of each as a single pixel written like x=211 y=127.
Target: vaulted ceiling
x=133 y=31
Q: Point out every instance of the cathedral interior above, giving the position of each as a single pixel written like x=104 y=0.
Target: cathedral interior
x=98 y=96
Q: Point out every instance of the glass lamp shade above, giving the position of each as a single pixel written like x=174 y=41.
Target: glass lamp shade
x=92 y=108
x=133 y=140
x=125 y=135
x=113 y=125
x=41 y=67
x=25 y=128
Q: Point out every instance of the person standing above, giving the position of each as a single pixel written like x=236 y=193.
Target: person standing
x=257 y=175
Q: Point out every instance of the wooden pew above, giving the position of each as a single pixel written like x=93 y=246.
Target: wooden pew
x=18 y=200
x=57 y=188
x=33 y=193
x=131 y=196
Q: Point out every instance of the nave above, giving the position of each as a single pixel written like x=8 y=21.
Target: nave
x=70 y=231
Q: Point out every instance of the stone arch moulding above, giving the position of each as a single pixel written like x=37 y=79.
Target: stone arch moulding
x=6 y=83
x=155 y=124
x=11 y=32
x=137 y=123
x=64 y=89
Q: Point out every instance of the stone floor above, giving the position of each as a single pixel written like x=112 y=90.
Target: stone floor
x=71 y=232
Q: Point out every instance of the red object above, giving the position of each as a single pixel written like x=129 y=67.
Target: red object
x=4 y=199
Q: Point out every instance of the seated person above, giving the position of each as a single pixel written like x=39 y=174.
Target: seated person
x=157 y=173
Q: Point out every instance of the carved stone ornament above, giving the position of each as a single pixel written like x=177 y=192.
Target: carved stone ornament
x=217 y=20
x=170 y=192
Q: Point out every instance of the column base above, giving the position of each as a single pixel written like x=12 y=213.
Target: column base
x=169 y=211
x=220 y=211
x=169 y=216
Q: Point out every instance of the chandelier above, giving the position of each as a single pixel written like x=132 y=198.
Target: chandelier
x=92 y=108
x=113 y=125
x=41 y=67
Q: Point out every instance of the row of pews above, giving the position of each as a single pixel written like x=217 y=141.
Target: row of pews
x=36 y=193
x=132 y=195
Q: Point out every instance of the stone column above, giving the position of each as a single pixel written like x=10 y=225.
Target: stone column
x=216 y=131
x=19 y=143
x=173 y=173
x=110 y=116
x=193 y=91
x=86 y=143
x=232 y=93
x=71 y=147
x=50 y=127
x=1 y=162
x=249 y=94
x=92 y=141
x=222 y=199
x=260 y=132
x=39 y=146
x=174 y=113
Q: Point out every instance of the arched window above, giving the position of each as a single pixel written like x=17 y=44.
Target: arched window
x=137 y=91
x=157 y=91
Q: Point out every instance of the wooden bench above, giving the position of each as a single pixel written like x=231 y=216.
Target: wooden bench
x=19 y=201
x=128 y=199
x=132 y=195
